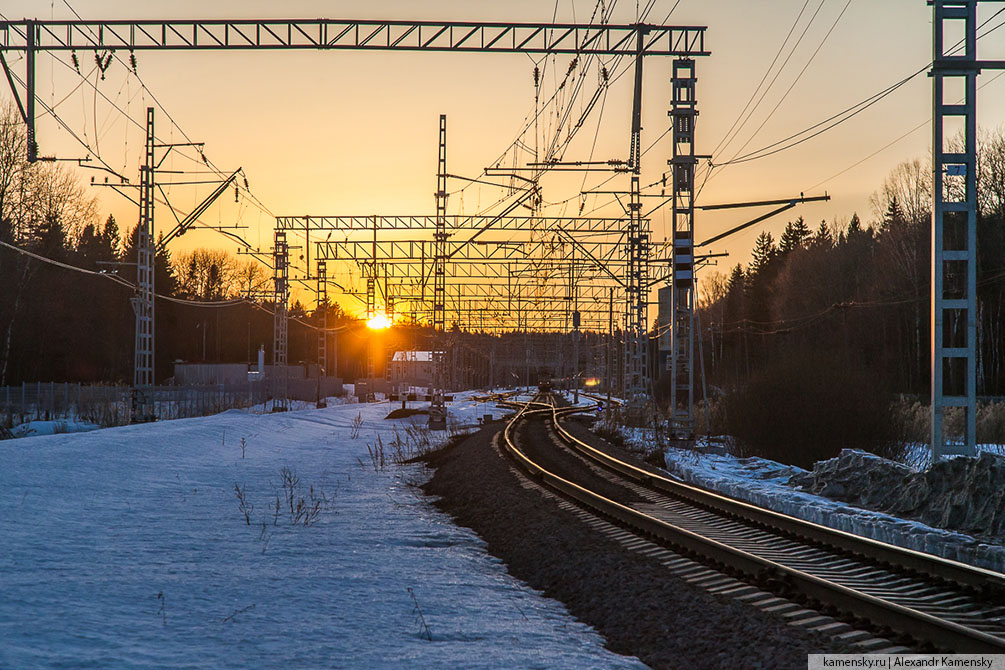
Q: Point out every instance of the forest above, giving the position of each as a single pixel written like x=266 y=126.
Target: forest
x=66 y=275
x=835 y=318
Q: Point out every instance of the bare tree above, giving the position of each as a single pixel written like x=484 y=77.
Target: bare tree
x=910 y=183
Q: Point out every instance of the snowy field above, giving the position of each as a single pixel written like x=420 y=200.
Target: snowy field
x=126 y=547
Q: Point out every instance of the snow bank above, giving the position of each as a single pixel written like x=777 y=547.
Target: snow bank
x=125 y=547
x=766 y=483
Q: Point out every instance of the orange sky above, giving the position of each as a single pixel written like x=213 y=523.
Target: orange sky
x=355 y=133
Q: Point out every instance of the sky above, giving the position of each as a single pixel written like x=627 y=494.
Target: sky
x=356 y=132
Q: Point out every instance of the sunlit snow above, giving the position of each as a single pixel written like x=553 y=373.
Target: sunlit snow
x=126 y=547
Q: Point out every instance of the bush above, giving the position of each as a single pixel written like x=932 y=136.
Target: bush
x=808 y=407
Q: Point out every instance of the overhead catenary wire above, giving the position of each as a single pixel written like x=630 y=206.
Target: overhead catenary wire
x=848 y=113
x=729 y=133
x=798 y=76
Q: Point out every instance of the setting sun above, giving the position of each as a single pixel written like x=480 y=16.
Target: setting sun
x=378 y=322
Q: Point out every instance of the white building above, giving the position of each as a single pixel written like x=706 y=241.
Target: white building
x=412 y=368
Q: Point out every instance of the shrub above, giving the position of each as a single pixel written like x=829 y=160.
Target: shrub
x=808 y=407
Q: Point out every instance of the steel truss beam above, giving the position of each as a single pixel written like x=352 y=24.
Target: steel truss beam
x=453 y=222
x=324 y=34
x=463 y=252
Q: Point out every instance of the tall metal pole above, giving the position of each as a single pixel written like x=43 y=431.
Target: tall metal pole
x=954 y=231
x=437 y=407
x=280 y=321
x=636 y=354
x=575 y=334
x=143 y=301
x=322 y=305
x=610 y=341
x=32 y=35
x=682 y=113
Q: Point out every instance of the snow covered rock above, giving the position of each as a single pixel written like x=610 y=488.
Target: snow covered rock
x=962 y=494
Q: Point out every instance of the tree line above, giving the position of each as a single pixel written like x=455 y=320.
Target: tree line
x=859 y=291
x=67 y=277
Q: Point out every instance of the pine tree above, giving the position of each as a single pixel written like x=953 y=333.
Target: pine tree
x=297 y=310
x=796 y=235
x=110 y=239
x=764 y=253
x=88 y=247
x=50 y=238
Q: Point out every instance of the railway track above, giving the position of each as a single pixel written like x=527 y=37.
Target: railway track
x=934 y=602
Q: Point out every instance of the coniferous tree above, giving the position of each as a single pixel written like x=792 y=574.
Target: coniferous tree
x=795 y=236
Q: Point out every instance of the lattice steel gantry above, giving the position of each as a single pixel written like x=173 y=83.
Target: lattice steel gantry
x=954 y=225
x=143 y=301
x=280 y=322
x=682 y=166
x=437 y=408
x=637 y=274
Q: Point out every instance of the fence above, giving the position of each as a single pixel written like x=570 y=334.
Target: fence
x=110 y=405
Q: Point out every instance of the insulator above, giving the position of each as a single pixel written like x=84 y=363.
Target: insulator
x=572 y=66
x=132 y=61
x=246 y=183
x=237 y=192
x=537 y=76
x=203 y=157
x=76 y=61
x=603 y=74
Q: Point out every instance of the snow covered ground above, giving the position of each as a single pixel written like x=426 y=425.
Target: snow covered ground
x=126 y=547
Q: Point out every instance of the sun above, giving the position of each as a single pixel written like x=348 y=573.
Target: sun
x=378 y=322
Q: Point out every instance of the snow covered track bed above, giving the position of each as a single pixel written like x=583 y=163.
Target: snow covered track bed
x=934 y=601
x=128 y=547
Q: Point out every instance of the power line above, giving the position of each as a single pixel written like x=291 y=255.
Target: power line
x=848 y=113
x=798 y=77
x=727 y=138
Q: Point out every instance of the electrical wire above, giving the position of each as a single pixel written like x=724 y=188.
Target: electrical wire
x=729 y=133
x=848 y=113
x=798 y=77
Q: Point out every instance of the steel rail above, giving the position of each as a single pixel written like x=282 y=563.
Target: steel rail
x=920 y=625
x=933 y=566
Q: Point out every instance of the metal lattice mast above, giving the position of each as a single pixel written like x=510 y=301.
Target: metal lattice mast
x=954 y=224
x=280 y=324
x=437 y=408
x=637 y=276
x=143 y=302
x=322 y=302
x=682 y=114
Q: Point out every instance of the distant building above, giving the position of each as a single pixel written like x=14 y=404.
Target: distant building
x=412 y=368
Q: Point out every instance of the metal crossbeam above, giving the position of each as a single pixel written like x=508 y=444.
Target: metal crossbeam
x=453 y=222
x=189 y=34
x=463 y=252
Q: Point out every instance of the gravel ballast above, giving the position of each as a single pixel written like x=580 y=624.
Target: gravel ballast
x=633 y=601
